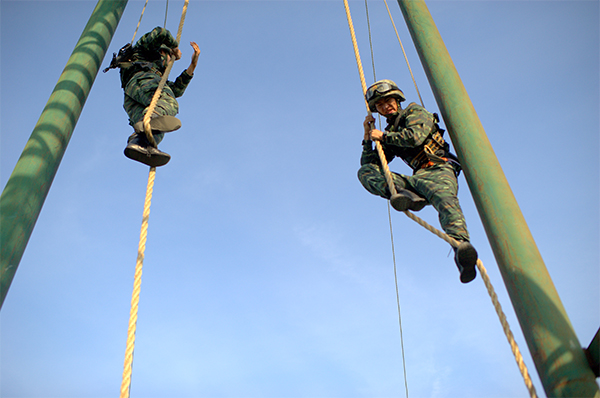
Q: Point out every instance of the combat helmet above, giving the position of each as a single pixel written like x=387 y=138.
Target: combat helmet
x=382 y=89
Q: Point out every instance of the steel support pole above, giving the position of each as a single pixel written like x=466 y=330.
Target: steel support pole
x=24 y=194
x=556 y=351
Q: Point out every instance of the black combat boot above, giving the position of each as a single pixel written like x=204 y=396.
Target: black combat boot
x=139 y=149
x=465 y=257
x=407 y=200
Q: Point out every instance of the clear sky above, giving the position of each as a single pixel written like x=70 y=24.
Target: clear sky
x=268 y=268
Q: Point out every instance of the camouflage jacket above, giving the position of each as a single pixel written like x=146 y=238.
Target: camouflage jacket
x=408 y=136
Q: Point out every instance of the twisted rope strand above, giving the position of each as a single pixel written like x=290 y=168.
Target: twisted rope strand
x=386 y=169
x=137 y=284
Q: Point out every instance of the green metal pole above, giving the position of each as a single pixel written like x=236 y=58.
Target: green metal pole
x=556 y=351
x=24 y=194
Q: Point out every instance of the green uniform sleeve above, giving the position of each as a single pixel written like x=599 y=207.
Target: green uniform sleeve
x=418 y=124
x=369 y=155
x=180 y=84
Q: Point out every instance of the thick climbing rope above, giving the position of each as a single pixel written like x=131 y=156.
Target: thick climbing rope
x=484 y=275
x=390 y=222
x=388 y=174
x=127 y=368
x=137 y=284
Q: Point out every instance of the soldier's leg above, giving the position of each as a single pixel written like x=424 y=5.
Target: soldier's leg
x=373 y=179
x=439 y=186
x=371 y=176
x=138 y=147
x=138 y=96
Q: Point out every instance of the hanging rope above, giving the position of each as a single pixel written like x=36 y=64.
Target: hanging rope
x=139 y=22
x=484 y=275
x=166 y=12
x=386 y=169
x=127 y=368
x=137 y=284
x=390 y=222
x=404 y=52
x=398 y=301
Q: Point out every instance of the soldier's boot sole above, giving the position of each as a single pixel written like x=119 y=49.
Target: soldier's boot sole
x=147 y=155
x=406 y=200
x=161 y=124
x=465 y=257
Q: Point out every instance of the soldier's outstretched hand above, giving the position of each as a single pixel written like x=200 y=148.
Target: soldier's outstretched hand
x=192 y=67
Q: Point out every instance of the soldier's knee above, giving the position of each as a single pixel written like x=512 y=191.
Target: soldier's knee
x=369 y=169
x=447 y=205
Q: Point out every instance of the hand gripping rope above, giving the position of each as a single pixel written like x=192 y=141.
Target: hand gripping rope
x=126 y=381
x=388 y=176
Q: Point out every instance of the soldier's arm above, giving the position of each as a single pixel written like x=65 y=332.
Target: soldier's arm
x=369 y=155
x=190 y=70
x=180 y=84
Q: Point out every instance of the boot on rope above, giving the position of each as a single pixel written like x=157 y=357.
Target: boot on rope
x=159 y=124
x=139 y=149
x=407 y=200
x=465 y=257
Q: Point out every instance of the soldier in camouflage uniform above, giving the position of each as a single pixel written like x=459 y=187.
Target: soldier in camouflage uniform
x=414 y=135
x=141 y=73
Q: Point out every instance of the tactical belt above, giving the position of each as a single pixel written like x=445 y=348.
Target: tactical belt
x=433 y=144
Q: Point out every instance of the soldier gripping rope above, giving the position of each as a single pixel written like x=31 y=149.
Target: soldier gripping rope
x=141 y=68
x=413 y=134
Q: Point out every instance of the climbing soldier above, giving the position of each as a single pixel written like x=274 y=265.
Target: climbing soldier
x=141 y=67
x=413 y=135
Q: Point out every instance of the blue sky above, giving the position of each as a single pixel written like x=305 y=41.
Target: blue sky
x=268 y=268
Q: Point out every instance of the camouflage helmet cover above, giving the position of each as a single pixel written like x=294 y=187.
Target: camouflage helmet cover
x=383 y=89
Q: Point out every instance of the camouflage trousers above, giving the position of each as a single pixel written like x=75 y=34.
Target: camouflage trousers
x=437 y=184
x=139 y=92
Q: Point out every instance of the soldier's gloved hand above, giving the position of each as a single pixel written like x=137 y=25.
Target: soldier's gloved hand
x=368 y=125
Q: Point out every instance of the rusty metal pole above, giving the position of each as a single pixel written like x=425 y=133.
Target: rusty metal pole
x=26 y=190
x=556 y=351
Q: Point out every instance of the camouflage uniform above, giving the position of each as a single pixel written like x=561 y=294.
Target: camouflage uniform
x=141 y=79
x=434 y=175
